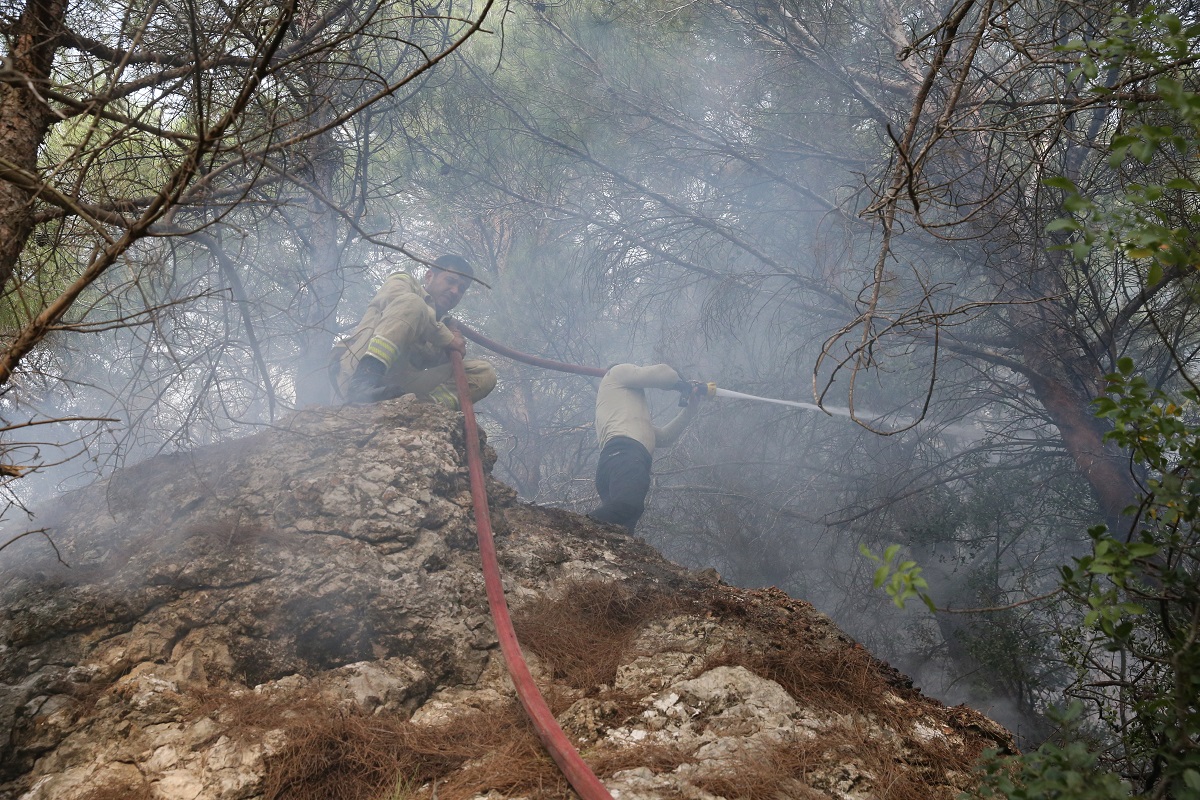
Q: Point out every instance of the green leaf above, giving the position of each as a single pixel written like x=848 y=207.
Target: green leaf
x=1059 y=182
x=1143 y=151
x=1142 y=549
x=1183 y=184
x=1063 y=224
x=1074 y=202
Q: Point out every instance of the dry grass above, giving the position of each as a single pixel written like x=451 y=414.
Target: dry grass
x=833 y=763
x=583 y=633
x=767 y=774
x=340 y=755
x=347 y=756
x=844 y=680
x=516 y=765
x=660 y=758
x=786 y=643
x=839 y=677
x=510 y=761
x=120 y=791
x=329 y=753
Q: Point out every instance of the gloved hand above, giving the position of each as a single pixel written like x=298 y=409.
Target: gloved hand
x=689 y=389
x=458 y=344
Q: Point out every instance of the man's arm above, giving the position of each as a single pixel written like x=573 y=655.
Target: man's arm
x=656 y=376
x=458 y=342
x=406 y=321
x=666 y=435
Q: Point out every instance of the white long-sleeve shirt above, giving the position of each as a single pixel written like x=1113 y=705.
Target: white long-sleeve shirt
x=622 y=410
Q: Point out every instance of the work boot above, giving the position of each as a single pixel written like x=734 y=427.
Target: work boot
x=364 y=384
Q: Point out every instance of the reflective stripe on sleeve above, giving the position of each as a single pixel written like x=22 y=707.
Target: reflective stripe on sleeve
x=380 y=348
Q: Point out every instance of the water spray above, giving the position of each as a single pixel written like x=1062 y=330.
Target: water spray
x=710 y=390
x=717 y=391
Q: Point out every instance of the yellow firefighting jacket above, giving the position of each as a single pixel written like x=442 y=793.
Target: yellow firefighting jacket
x=400 y=328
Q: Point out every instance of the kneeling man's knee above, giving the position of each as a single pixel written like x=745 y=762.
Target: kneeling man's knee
x=482 y=378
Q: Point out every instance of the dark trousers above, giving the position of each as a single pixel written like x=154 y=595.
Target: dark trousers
x=623 y=480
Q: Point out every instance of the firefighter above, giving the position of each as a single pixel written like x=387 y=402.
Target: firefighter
x=628 y=437
x=400 y=345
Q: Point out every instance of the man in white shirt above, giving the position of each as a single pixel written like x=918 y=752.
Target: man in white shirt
x=628 y=437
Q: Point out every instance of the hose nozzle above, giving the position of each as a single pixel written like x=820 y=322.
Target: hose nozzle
x=689 y=389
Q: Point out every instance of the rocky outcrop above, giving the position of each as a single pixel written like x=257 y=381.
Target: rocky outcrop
x=302 y=614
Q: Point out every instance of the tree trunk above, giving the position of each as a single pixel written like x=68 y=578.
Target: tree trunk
x=1053 y=363
x=323 y=292
x=24 y=120
x=323 y=281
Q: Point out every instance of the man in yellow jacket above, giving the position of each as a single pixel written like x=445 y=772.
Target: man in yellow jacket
x=628 y=437
x=400 y=345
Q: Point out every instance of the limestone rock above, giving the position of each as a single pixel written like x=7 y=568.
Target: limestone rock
x=305 y=608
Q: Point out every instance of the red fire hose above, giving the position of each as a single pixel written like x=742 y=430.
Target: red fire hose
x=517 y=355
x=572 y=765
